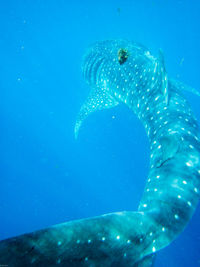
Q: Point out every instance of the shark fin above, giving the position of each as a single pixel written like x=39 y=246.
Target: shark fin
x=164 y=76
x=98 y=99
x=181 y=86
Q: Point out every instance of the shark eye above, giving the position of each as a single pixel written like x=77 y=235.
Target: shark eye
x=122 y=55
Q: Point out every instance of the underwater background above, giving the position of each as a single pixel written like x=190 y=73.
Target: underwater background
x=46 y=176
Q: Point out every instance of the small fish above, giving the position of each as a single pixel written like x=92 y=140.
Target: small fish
x=119 y=10
x=182 y=60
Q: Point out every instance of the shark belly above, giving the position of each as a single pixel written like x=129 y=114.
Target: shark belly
x=120 y=71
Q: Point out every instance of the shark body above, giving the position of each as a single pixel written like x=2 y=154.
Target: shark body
x=119 y=71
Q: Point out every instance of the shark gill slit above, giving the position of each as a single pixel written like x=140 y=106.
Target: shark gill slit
x=138 y=79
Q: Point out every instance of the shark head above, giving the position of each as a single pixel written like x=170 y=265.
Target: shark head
x=119 y=71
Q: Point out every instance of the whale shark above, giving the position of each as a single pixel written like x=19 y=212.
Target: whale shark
x=127 y=73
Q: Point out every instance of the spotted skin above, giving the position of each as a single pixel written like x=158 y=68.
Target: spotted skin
x=139 y=80
x=172 y=190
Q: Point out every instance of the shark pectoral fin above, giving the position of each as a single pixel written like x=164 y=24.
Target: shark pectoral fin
x=164 y=76
x=182 y=87
x=98 y=99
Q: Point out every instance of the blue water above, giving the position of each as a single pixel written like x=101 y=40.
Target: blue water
x=46 y=177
